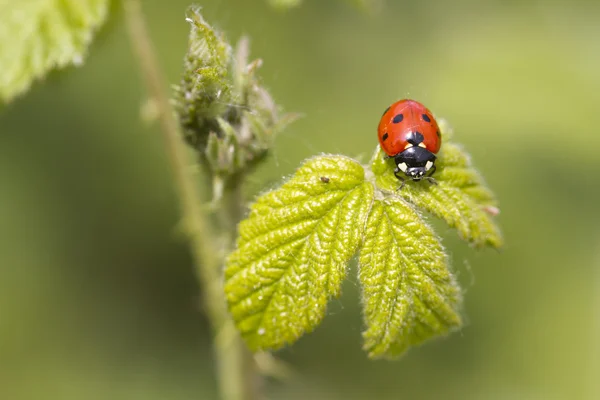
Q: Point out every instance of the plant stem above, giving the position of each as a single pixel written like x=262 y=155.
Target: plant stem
x=236 y=375
x=231 y=213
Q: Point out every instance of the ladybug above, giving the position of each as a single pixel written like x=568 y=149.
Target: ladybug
x=410 y=135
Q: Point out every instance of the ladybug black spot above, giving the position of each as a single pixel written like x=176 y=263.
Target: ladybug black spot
x=398 y=118
x=426 y=118
x=386 y=110
x=385 y=136
x=438 y=133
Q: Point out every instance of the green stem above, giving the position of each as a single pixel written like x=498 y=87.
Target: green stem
x=235 y=369
x=232 y=213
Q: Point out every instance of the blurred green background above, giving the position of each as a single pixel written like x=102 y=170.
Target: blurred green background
x=98 y=298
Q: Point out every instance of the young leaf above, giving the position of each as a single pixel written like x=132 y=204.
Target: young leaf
x=293 y=250
x=39 y=35
x=409 y=294
x=205 y=90
x=220 y=101
x=460 y=196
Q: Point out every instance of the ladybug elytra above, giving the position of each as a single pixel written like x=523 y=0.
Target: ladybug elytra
x=409 y=133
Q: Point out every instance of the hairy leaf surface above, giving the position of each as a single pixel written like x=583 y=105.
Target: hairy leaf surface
x=460 y=196
x=409 y=294
x=293 y=250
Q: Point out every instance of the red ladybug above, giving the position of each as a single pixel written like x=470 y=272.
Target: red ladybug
x=409 y=133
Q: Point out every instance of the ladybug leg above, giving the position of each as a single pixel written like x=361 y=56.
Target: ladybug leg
x=400 y=178
x=429 y=178
x=401 y=185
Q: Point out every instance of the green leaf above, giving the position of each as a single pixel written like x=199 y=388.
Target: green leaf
x=293 y=250
x=39 y=35
x=460 y=197
x=409 y=294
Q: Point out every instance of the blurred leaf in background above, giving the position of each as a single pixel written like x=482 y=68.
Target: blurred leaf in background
x=39 y=35
x=285 y=4
x=97 y=295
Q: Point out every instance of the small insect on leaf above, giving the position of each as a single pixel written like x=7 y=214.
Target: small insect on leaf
x=293 y=250
x=294 y=247
x=460 y=197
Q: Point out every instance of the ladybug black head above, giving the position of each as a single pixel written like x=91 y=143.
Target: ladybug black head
x=415 y=162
